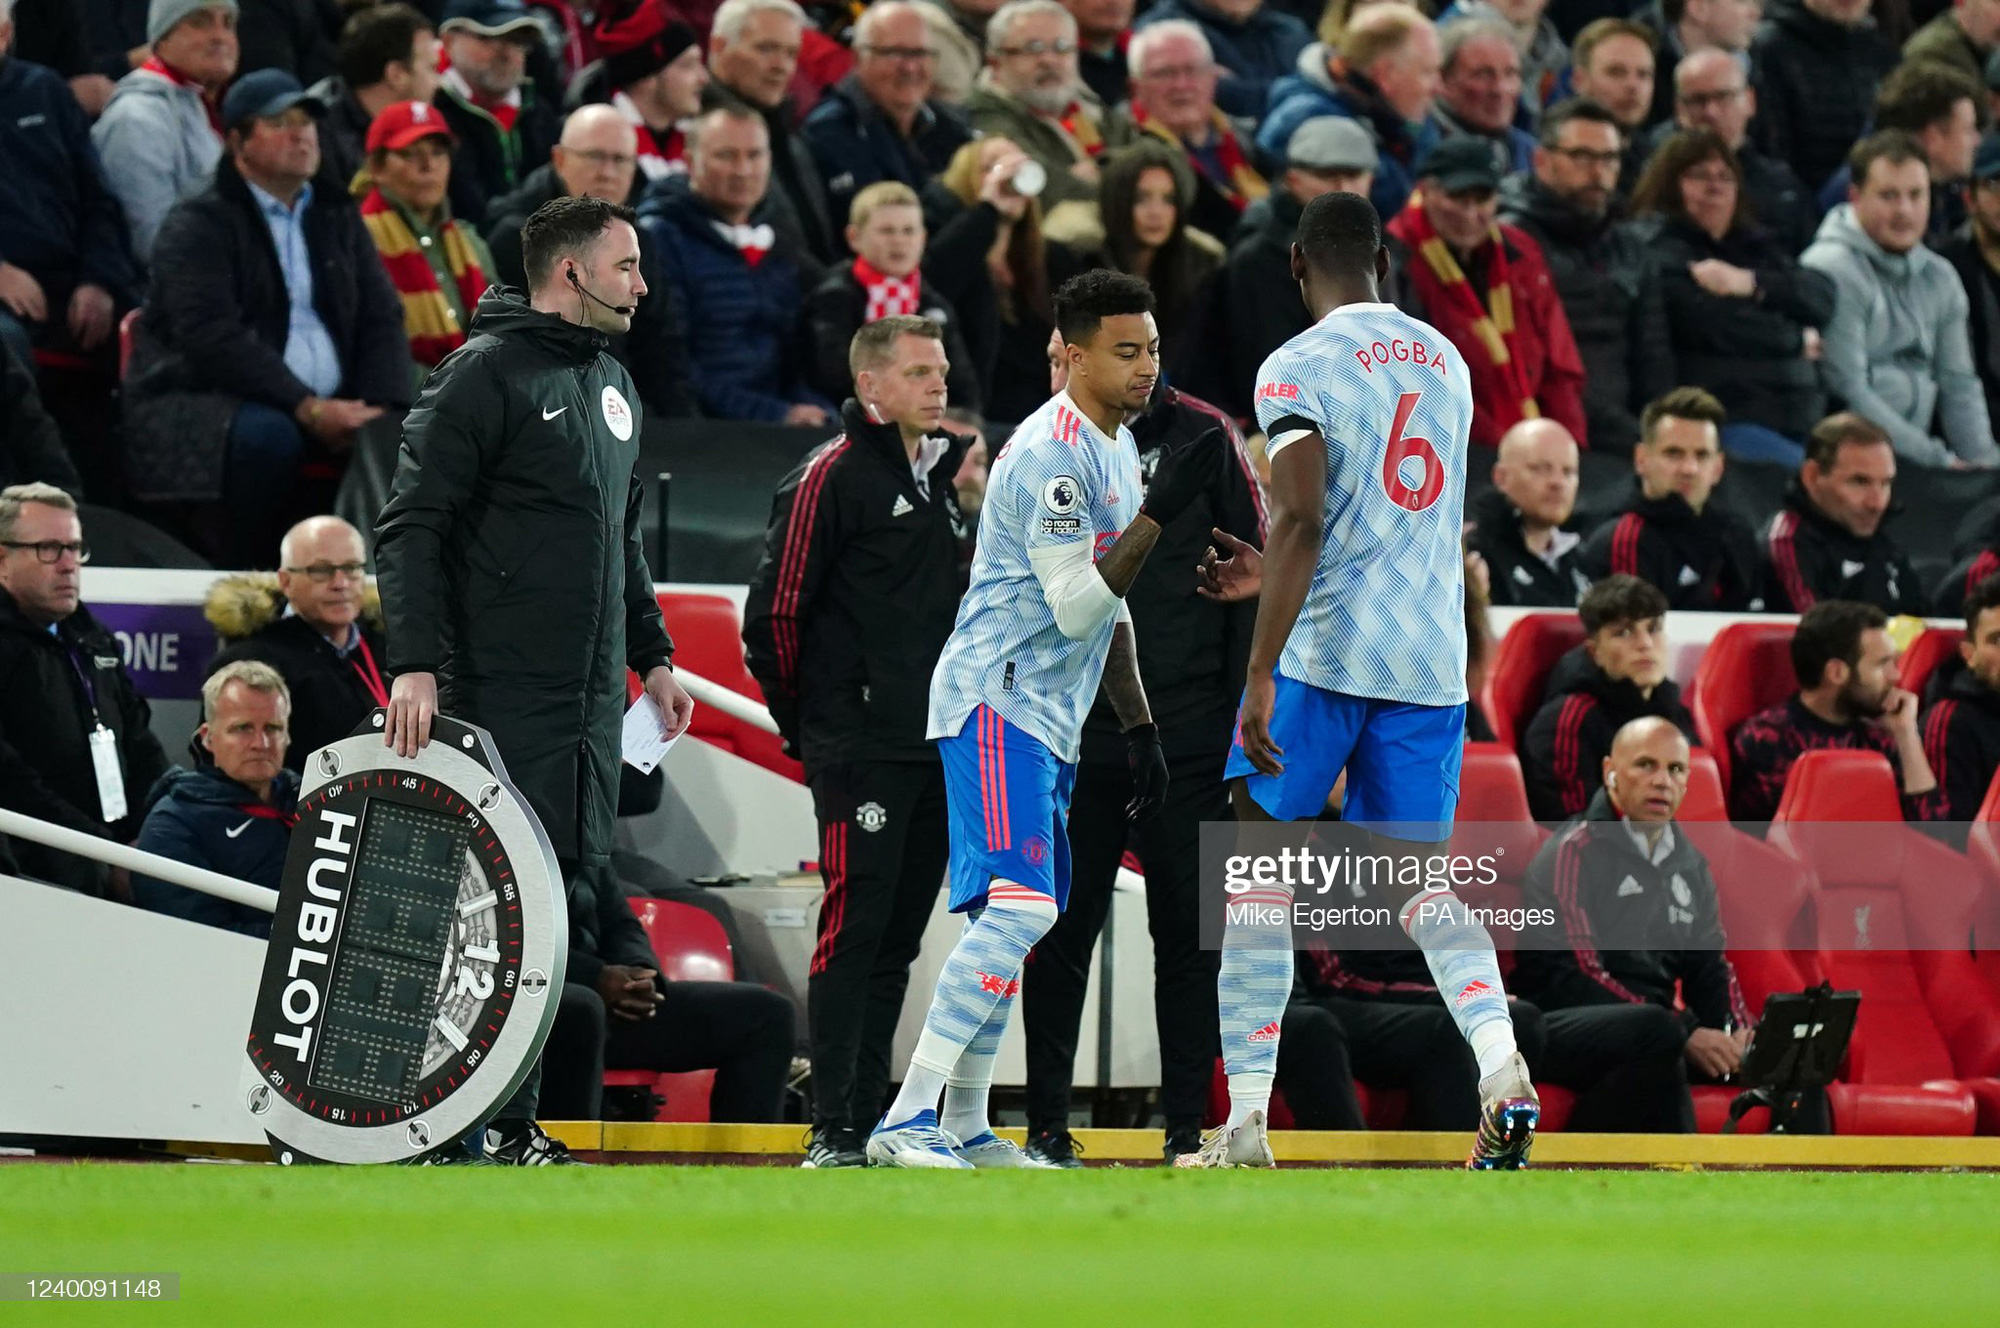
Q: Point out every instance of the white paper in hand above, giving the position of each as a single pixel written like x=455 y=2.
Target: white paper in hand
x=642 y=744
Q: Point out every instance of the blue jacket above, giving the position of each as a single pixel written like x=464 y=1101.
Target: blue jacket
x=745 y=323
x=1310 y=91
x=204 y=818
x=1257 y=52
x=854 y=144
x=59 y=219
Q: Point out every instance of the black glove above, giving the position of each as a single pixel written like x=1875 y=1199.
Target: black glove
x=1184 y=474
x=1149 y=772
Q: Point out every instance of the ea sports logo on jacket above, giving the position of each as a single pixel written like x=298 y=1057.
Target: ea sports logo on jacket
x=617 y=414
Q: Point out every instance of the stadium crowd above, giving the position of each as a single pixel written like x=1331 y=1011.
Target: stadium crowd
x=237 y=236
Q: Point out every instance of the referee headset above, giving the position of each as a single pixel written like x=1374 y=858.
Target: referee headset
x=584 y=292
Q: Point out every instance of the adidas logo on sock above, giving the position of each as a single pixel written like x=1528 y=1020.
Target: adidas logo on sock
x=1268 y=1033
x=1472 y=991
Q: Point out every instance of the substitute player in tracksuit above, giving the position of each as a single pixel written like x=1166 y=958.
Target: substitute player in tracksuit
x=1192 y=653
x=864 y=564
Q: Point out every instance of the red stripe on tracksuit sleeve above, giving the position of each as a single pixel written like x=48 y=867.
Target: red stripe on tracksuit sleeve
x=1785 y=560
x=1571 y=779
x=1576 y=923
x=798 y=554
x=1625 y=544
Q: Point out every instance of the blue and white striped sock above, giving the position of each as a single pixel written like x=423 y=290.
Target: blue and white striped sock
x=967 y=1086
x=976 y=977
x=1250 y=991
x=1460 y=956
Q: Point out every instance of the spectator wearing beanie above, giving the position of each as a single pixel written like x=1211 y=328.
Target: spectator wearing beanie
x=64 y=267
x=503 y=128
x=388 y=53
x=438 y=264
x=882 y=122
x=1828 y=542
x=656 y=84
x=161 y=136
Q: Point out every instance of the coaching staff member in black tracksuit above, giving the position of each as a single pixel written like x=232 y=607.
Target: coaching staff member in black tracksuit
x=863 y=569
x=1192 y=655
x=512 y=575
x=1636 y=920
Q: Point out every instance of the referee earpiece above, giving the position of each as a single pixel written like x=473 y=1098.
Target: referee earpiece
x=1614 y=782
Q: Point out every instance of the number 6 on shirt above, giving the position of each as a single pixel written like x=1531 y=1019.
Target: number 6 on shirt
x=1402 y=449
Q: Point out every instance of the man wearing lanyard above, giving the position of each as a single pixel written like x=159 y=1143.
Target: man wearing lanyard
x=75 y=748
x=320 y=629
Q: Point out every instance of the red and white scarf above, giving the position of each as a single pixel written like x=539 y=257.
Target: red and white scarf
x=657 y=159
x=753 y=242
x=887 y=295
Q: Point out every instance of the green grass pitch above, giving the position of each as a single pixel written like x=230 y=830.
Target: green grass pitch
x=651 y=1246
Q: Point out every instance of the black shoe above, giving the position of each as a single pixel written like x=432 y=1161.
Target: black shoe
x=1058 y=1149
x=458 y=1155
x=832 y=1146
x=526 y=1145
x=1186 y=1139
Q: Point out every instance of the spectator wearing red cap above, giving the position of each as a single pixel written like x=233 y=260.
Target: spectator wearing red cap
x=438 y=264
x=656 y=84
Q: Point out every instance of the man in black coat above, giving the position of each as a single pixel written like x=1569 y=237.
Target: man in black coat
x=1827 y=541
x=31 y=447
x=513 y=577
x=62 y=684
x=1607 y=282
x=1671 y=532
x=1193 y=672
x=1636 y=994
x=1818 y=64
x=753 y=66
x=320 y=627
x=235 y=372
x=1520 y=525
x=503 y=126
x=1617 y=675
x=862 y=573
x=388 y=53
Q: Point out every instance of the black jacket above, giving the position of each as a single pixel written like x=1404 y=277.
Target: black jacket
x=204 y=818
x=1813 y=557
x=46 y=718
x=1708 y=560
x=31 y=447
x=1781 y=204
x=854 y=145
x=216 y=322
x=1749 y=352
x=1982 y=292
x=1519 y=576
x=510 y=560
x=855 y=596
x=655 y=350
x=294 y=35
x=1260 y=302
x=343 y=130
x=1962 y=744
x=1948 y=600
x=1816 y=84
x=836 y=310
x=331 y=692
x=488 y=161
x=1610 y=288
x=1192 y=651
x=59 y=220
x=1603 y=891
x=1569 y=737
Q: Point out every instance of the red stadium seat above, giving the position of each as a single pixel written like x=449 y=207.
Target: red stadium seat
x=1704 y=791
x=1933 y=646
x=1982 y=845
x=708 y=640
x=1493 y=819
x=1520 y=670
x=1746 y=668
x=1894 y=914
x=692 y=947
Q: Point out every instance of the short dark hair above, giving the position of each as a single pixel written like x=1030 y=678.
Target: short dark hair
x=1682 y=403
x=1619 y=599
x=1340 y=234
x=1837 y=430
x=1571 y=110
x=1919 y=93
x=1087 y=299
x=374 y=39
x=1984 y=596
x=875 y=343
x=1831 y=630
x=1895 y=146
x=565 y=226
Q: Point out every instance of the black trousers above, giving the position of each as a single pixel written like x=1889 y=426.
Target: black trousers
x=1330 y=1042
x=738 y=1029
x=883 y=835
x=1627 y=1064
x=1058 y=968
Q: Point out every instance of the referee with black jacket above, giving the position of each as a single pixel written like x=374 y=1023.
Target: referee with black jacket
x=864 y=565
x=1192 y=656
